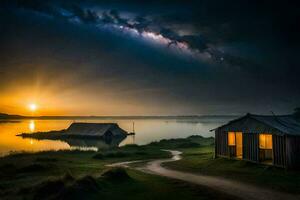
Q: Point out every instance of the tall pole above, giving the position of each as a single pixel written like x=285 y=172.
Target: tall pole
x=133 y=127
x=133 y=136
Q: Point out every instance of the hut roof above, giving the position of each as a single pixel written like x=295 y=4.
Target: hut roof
x=95 y=129
x=286 y=124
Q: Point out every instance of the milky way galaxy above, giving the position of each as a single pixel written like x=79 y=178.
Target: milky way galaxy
x=159 y=57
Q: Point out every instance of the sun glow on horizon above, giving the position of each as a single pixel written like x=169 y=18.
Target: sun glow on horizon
x=32 y=107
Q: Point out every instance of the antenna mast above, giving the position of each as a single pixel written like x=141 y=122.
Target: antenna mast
x=133 y=127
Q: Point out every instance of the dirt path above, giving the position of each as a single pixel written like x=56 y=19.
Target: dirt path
x=235 y=188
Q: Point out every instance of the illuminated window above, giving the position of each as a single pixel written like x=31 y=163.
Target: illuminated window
x=265 y=141
x=231 y=138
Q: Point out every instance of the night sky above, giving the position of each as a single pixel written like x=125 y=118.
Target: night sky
x=152 y=58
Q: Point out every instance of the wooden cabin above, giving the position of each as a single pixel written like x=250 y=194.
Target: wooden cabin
x=104 y=130
x=273 y=140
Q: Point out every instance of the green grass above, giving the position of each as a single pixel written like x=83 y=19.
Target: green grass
x=182 y=143
x=32 y=168
x=83 y=175
x=74 y=178
x=201 y=160
x=31 y=173
x=119 y=184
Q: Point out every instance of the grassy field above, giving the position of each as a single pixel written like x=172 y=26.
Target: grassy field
x=58 y=174
x=83 y=175
x=201 y=160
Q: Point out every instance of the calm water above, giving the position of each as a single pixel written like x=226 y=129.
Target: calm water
x=147 y=130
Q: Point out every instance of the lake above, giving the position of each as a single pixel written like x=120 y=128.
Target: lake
x=147 y=130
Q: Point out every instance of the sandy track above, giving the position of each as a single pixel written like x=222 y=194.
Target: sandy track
x=235 y=188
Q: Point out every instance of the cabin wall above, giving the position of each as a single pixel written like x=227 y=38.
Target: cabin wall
x=279 y=151
x=221 y=143
x=293 y=151
x=250 y=147
x=285 y=149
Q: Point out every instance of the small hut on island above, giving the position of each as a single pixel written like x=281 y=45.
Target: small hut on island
x=105 y=131
x=273 y=140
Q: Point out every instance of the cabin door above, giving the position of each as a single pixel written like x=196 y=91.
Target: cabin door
x=239 y=144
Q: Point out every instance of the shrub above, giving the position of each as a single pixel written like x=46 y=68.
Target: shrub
x=32 y=168
x=67 y=178
x=48 y=188
x=131 y=146
x=98 y=156
x=87 y=183
x=65 y=188
x=188 y=145
x=117 y=154
x=46 y=160
x=116 y=174
x=141 y=153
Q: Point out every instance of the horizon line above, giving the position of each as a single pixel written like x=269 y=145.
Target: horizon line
x=112 y=116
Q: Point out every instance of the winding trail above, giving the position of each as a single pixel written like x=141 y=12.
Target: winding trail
x=234 y=188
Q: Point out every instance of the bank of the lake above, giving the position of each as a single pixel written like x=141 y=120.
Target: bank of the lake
x=79 y=174
x=25 y=172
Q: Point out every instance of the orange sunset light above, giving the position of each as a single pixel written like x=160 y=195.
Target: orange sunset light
x=32 y=107
x=23 y=101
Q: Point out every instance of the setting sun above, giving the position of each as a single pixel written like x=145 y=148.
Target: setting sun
x=32 y=107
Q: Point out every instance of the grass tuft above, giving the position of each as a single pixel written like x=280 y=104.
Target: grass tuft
x=117 y=154
x=188 y=145
x=116 y=174
x=46 y=159
x=98 y=156
x=32 y=168
x=48 y=189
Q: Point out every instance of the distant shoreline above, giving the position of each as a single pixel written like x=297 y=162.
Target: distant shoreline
x=9 y=117
x=114 y=117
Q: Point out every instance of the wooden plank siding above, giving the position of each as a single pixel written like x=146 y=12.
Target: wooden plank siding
x=279 y=151
x=221 y=143
x=293 y=151
x=250 y=147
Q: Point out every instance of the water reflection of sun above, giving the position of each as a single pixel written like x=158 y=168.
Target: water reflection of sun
x=31 y=126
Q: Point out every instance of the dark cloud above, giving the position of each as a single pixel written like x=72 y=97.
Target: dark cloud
x=214 y=55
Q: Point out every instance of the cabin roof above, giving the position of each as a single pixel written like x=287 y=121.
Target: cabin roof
x=286 y=124
x=94 y=129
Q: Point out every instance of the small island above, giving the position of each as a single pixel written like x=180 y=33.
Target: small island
x=105 y=131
